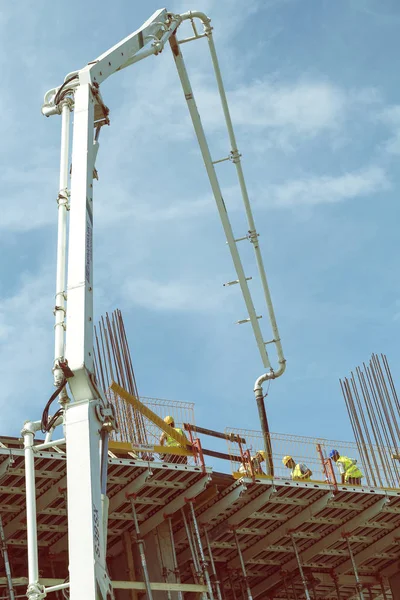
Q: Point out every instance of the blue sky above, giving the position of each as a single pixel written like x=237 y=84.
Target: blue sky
x=314 y=96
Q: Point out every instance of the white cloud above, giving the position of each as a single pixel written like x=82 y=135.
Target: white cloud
x=391 y=117
x=172 y=295
x=306 y=107
x=26 y=330
x=327 y=189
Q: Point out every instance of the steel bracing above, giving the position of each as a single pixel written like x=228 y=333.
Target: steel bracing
x=266 y=520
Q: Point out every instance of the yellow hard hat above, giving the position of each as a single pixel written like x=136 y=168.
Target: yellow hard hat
x=262 y=453
x=286 y=459
x=168 y=420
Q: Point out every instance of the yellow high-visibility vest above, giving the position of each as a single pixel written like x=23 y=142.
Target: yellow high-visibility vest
x=297 y=473
x=350 y=468
x=170 y=440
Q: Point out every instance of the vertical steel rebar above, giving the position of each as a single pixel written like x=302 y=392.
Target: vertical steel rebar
x=374 y=411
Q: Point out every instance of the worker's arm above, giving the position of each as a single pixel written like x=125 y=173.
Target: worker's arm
x=305 y=471
x=342 y=470
x=163 y=437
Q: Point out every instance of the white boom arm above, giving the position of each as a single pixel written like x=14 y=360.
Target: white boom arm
x=88 y=417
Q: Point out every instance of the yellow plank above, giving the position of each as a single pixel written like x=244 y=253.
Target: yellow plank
x=149 y=414
x=128 y=447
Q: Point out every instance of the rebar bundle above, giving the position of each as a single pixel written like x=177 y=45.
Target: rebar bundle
x=374 y=410
x=112 y=360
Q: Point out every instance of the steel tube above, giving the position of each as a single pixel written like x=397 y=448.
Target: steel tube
x=55 y=588
x=140 y=544
x=7 y=567
x=243 y=566
x=303 y=579
x=198 y=127
x=201 y=552
x=262 y=413
x=245 y=197
x=190 y=542
x=31 y=518
x=50 y=444
x=177 y=574
x=246 y=201
x=63 y=202
x=353 y=562
x=217 y=586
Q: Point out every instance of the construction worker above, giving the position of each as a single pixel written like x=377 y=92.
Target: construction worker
x=256 y=462
x=170 y=442
x=348 y=469
x=300 y=471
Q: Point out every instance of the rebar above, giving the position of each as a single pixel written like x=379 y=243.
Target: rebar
x=374 y=411
x=113 y=362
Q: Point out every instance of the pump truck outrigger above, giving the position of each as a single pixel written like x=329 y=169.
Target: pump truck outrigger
x=88 y=418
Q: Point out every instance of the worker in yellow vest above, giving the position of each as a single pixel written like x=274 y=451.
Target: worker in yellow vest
x=348 y=469
x=300 y=471
x=256 y=462
x=170 y=442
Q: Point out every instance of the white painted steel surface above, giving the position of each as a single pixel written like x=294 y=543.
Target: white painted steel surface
x=85 y=524
x=79 y=346
x=63 y=207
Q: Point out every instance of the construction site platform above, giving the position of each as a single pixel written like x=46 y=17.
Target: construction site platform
x=267 y=516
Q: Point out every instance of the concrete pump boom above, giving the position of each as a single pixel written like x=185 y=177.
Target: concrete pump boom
x=89 y=418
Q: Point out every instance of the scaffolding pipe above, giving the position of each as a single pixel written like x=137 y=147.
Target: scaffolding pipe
x=175 y=562
x=190 y=541
x=7 y=567
x=384 y=595
x=212 y=563
x=232 y=584
x=63 y=207
x=353 y=562
x=193 y=551
x=243 y=566
x=303 y=579
x=203 y=562
x=140 y=544
x=336 y=582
